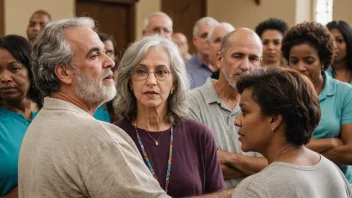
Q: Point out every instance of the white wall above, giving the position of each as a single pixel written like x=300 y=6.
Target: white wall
x=18 y=12
x=342 y=10
x=246 y=13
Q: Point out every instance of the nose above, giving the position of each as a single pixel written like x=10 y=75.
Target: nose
x=5 y=77
x=108 y=63
x=301 y=67
x=270 y=46
x=151 y=80
x=238 y=122
x=36 y=27
x=245 y=65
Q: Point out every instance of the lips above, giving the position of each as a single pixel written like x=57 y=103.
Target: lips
x=150 y=92
x=7 y=90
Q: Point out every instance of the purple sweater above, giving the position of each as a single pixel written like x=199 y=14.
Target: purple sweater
x=195 y=167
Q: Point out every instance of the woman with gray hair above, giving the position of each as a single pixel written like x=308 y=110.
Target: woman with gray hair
x=180 y=152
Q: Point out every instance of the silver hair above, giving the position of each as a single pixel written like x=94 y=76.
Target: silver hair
x=146 y=20
x=204 y=21
x=227 y=26
x=126 y=104
x=50 y=49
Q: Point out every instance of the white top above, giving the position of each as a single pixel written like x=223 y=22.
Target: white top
x=280 y=179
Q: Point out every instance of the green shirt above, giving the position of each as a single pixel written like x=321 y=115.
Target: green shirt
x=336 y=110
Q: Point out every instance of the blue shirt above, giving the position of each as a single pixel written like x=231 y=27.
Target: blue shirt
x=330 y=73
x=197 y=71
x=336 y=110
x=102 y=114
x=13 y=126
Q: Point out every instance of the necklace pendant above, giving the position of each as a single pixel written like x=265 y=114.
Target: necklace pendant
x=156 y=143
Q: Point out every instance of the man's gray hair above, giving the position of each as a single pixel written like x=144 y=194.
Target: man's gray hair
x=146 y=20
x=50 y=49
x=204 y=21
x=227 y=26
x=126 y=104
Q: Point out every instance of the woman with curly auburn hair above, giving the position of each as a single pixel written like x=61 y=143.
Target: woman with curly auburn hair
x=341 y=68
x=309 y=49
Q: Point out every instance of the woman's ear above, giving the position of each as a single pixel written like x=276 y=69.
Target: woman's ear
x=275 y=122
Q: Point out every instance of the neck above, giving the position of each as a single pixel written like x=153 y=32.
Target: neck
x=319 y=84
x=340 y=65
x=271 y=63
x=24 y=106
x=226 y=93
x=74 y=99
x=203 y=58
x=151 y=119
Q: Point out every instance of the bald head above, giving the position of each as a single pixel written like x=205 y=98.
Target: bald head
x=242 y=36
x=158 y=23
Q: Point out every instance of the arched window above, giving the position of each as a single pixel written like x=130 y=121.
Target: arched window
x=323 y=11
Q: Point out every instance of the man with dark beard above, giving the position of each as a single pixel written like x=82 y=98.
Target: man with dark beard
x=216 y=103
x=66 y=152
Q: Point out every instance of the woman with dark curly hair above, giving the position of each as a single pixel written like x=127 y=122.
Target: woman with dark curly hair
x=272 y=31
x=309 y=48
x=280 y=110
x=19 y=104
x=342 y=65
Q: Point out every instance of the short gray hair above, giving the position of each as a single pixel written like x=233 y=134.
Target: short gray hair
x=146 y=20
x=126 y=104
x=204 y=21
x=50 y=49
x=225 y=25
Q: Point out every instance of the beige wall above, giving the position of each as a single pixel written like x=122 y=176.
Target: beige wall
x=245 y=13
x=143 y=9
x=342 y=10
x=303 y=11
x=18 y=12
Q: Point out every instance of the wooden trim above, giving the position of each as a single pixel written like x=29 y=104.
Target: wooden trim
x=132 y=22
x=2 y=18
x=114 y=1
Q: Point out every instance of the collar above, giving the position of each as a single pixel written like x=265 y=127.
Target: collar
x=209 y=92
x=58 y=104
x=329 y=87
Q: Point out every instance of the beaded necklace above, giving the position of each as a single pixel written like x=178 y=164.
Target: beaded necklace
x=168 y=170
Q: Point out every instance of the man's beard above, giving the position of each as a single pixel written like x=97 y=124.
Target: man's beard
x=227 y=76
x=93 y=92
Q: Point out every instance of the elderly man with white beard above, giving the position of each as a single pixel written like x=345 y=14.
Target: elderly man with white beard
x=66 y=152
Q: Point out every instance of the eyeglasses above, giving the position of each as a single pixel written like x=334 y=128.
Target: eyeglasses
x=159 y=74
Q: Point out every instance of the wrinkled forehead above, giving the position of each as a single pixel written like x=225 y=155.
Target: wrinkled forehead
x=159 y=21
x=37 y=17
x=245 y=44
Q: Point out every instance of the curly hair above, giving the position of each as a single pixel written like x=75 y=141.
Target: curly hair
x=288 y=93
x=346 y=32
x=21 y=50
x=313 y=34
x=271 y=24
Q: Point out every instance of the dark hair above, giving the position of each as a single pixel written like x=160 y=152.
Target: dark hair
x=286 y=92
x=272 y=24
x=104 y=37
x=42 y=12
x=346 y=32
x=21 y=50
x=313 y=34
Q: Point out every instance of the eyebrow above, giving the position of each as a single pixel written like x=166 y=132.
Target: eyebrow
x=94 y=49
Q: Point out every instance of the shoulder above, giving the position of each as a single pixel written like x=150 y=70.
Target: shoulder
x=194 y=127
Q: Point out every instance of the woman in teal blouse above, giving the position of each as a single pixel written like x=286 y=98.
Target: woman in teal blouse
x=309 y=48
x=19 y=104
